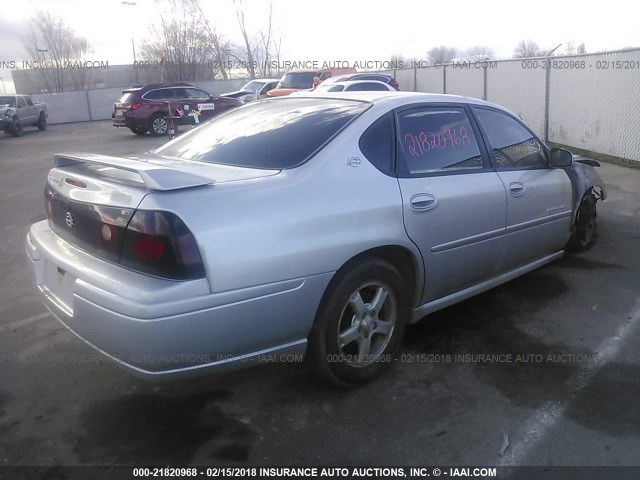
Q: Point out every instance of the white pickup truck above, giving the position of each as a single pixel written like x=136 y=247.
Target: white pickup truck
x=18 y=111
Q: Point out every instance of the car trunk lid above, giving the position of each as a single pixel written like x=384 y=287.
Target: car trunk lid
x=90 y=199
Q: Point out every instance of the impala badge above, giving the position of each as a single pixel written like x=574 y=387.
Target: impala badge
x=68 y=219
x=354 y=162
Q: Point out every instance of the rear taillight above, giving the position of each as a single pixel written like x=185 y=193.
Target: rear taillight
x=160 y=244
x=48 y=202
x=98 y=229
x=152 y=242
x=135 y=105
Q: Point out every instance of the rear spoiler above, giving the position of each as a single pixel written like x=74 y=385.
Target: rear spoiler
x=154 y=177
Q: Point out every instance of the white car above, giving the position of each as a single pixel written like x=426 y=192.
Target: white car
x=349 y=86
x=254 y=90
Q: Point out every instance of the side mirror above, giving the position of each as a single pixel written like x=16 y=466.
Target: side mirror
x=560 y=158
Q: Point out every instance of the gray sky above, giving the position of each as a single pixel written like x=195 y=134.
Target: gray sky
x=348 y=29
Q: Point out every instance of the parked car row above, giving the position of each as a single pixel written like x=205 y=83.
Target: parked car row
x=149 y=108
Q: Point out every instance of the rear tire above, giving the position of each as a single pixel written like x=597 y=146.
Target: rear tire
x=42 y=122
x=139 y=130
x=359 y=324
x=583 y=236
x=158 y=125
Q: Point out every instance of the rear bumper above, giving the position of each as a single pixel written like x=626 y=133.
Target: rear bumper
x=159 y=329
x=129 y=122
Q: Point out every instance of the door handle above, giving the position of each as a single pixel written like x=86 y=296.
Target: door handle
x=516 y=188
x=423 y=201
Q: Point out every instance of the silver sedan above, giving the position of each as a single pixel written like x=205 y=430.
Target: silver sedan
x=304 y=225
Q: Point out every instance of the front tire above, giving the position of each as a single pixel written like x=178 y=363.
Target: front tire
x=42 y=122
x=16 y=128
x=359 y=324
x=583 y=236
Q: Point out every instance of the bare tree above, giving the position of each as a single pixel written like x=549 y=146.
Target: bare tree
x=259 y=49
x=480 y=52
x=51 y=37
x=442 y=54
x=250 y=65
x=527 y=48
x=181 y=44
x=215 y=41
x=570 y=48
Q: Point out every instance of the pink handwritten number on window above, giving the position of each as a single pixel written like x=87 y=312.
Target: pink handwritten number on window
x=418 y=145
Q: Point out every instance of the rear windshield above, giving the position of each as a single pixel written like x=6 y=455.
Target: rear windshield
x=297 y=80
x=8 y=100
x=128 y=96
x=273 y=134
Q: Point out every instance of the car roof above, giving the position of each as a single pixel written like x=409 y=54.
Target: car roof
x=264 y=80
x=394 y=99
x=345 y=76
x=152 y=86
x=347 y=83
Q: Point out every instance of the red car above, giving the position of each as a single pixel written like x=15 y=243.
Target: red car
x=143 y=108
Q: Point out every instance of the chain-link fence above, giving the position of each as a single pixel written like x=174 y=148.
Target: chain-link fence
x=590 y=102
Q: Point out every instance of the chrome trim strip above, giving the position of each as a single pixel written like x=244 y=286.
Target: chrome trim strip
x=463 y=242
x=539 y=221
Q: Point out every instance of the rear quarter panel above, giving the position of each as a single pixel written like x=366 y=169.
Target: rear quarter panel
x=304 y=221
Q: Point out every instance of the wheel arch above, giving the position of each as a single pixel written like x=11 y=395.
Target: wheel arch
x=402 y=258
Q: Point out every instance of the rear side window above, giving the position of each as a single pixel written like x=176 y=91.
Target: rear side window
x=376 y=144
x=367 y=87
x=514 y=146
x=435 y=140
x=28 y=100
x=274 y=134
x=161 y=94
x=379 y=78
x=21 y=102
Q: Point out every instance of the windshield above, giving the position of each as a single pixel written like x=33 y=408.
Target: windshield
x=273 y=134
x=252 y=86
x=297 y=80
x=8 y=100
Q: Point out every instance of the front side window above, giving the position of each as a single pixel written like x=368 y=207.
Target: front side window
x=21 y=102
x=435 y=140
x=29 y=101
x=514 y=146
x=195 y=94
x=274 y=134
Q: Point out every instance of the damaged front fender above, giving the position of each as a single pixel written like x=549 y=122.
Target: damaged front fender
x=585 y=180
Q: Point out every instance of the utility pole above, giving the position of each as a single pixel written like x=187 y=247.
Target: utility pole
x=547 y=85
x=133 y=43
